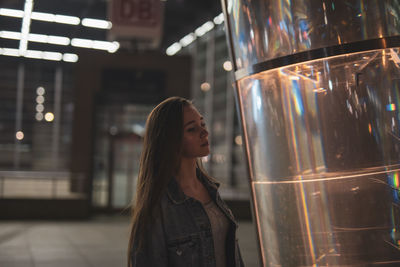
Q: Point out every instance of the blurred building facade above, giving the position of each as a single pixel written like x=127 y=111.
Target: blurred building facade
x=72 y=122
x=72 y=133
x=212 y=93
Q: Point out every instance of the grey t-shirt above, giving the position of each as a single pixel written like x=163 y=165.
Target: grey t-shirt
x=219 y=227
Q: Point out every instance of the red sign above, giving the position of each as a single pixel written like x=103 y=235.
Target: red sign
x=136 y=18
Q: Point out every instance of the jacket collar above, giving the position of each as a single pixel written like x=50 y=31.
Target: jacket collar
x=177 y=196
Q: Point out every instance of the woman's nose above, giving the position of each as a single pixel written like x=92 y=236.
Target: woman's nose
x=204 y=132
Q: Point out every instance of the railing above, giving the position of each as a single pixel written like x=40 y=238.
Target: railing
x=35 y=184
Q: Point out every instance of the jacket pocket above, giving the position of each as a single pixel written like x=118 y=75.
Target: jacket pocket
x=184 y=252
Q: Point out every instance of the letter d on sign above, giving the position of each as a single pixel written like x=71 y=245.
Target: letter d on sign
x=136 y=19
x=128 y=9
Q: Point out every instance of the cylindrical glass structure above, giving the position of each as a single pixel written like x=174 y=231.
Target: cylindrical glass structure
x=318 y=87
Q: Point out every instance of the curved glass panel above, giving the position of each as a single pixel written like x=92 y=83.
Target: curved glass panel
x=322 y=140
x=263 y=30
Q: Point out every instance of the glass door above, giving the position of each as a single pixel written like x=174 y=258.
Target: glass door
x=124 y=156
x=117 y=147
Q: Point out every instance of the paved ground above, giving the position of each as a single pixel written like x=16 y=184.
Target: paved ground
x=100 y=242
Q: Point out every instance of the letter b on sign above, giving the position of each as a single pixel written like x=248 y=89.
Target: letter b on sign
x=136 y=11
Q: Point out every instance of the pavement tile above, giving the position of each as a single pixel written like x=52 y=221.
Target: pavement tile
x=100 y=242
x=16 y=263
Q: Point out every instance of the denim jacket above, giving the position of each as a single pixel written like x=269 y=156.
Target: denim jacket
x=181 y=234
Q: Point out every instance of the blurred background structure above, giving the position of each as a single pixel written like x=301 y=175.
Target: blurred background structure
x=78 y=79
x=78 y=84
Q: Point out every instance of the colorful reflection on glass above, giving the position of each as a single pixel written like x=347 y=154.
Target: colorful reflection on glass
x=322 y=144
x=263 y=30
x=394 y=182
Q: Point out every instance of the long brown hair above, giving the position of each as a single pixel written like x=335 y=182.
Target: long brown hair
x=159 y=162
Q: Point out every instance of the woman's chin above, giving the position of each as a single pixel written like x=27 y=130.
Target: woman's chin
x=205 y=154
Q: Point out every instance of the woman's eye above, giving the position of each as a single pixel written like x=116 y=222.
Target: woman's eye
x=190 y=130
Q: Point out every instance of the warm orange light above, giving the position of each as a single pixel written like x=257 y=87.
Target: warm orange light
x=205 y=86
x=19 y=135
x=40 y=90
x=227 y=65
x=39 y=116
x=238 y=140
x=49 y=116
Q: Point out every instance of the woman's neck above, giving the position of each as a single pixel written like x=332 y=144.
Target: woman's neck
x=186 y=175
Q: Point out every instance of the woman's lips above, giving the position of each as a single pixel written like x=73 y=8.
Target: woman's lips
x=205 y=144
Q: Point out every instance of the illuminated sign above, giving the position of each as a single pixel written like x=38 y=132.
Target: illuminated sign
x=136 y=19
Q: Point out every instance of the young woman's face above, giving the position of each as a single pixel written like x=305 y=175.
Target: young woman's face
x=195 y=135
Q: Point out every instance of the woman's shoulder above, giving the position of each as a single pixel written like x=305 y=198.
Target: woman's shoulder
x=207 y=179
x=173 y=193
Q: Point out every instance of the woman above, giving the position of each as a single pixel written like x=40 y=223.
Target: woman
x=178 y=218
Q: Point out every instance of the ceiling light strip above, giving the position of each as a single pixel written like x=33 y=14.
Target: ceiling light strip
x=36 y=54
x=61 y=40
x=43 y=16
x=94 y=44
x=219 y=19
x=26 y=24
x=67 y=19
x=10 y=35
x=191 y=37
x=96 y=23
x=39 y=38
x=57 y=18
x=48 y=17
x=11 y=13
x=188 y=39
x=173 y=49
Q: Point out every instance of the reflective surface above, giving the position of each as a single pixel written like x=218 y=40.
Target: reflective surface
x=117 y=153
x=263 y=30
x=323 y=148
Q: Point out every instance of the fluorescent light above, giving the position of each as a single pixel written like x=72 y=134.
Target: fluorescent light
x=43 y=16
x=61 y=40
x=70 y=57
x=55 y=18
x=26 y=24
x=187 y=40
x=203 y=29
x=33 y=37
x=96 y=23
x=219 y=19
x=11 y=12
x=86 y=43
x=33 y=54
x=10 y=52
x=67 y=19
x=58 y=40
x=114 y=48
x=55 y=56
x=36 y=54
x=52 y=56
x=173 y=49
x=10 y=35
x=104 y=45
x=40 y=38
x=101 y=45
